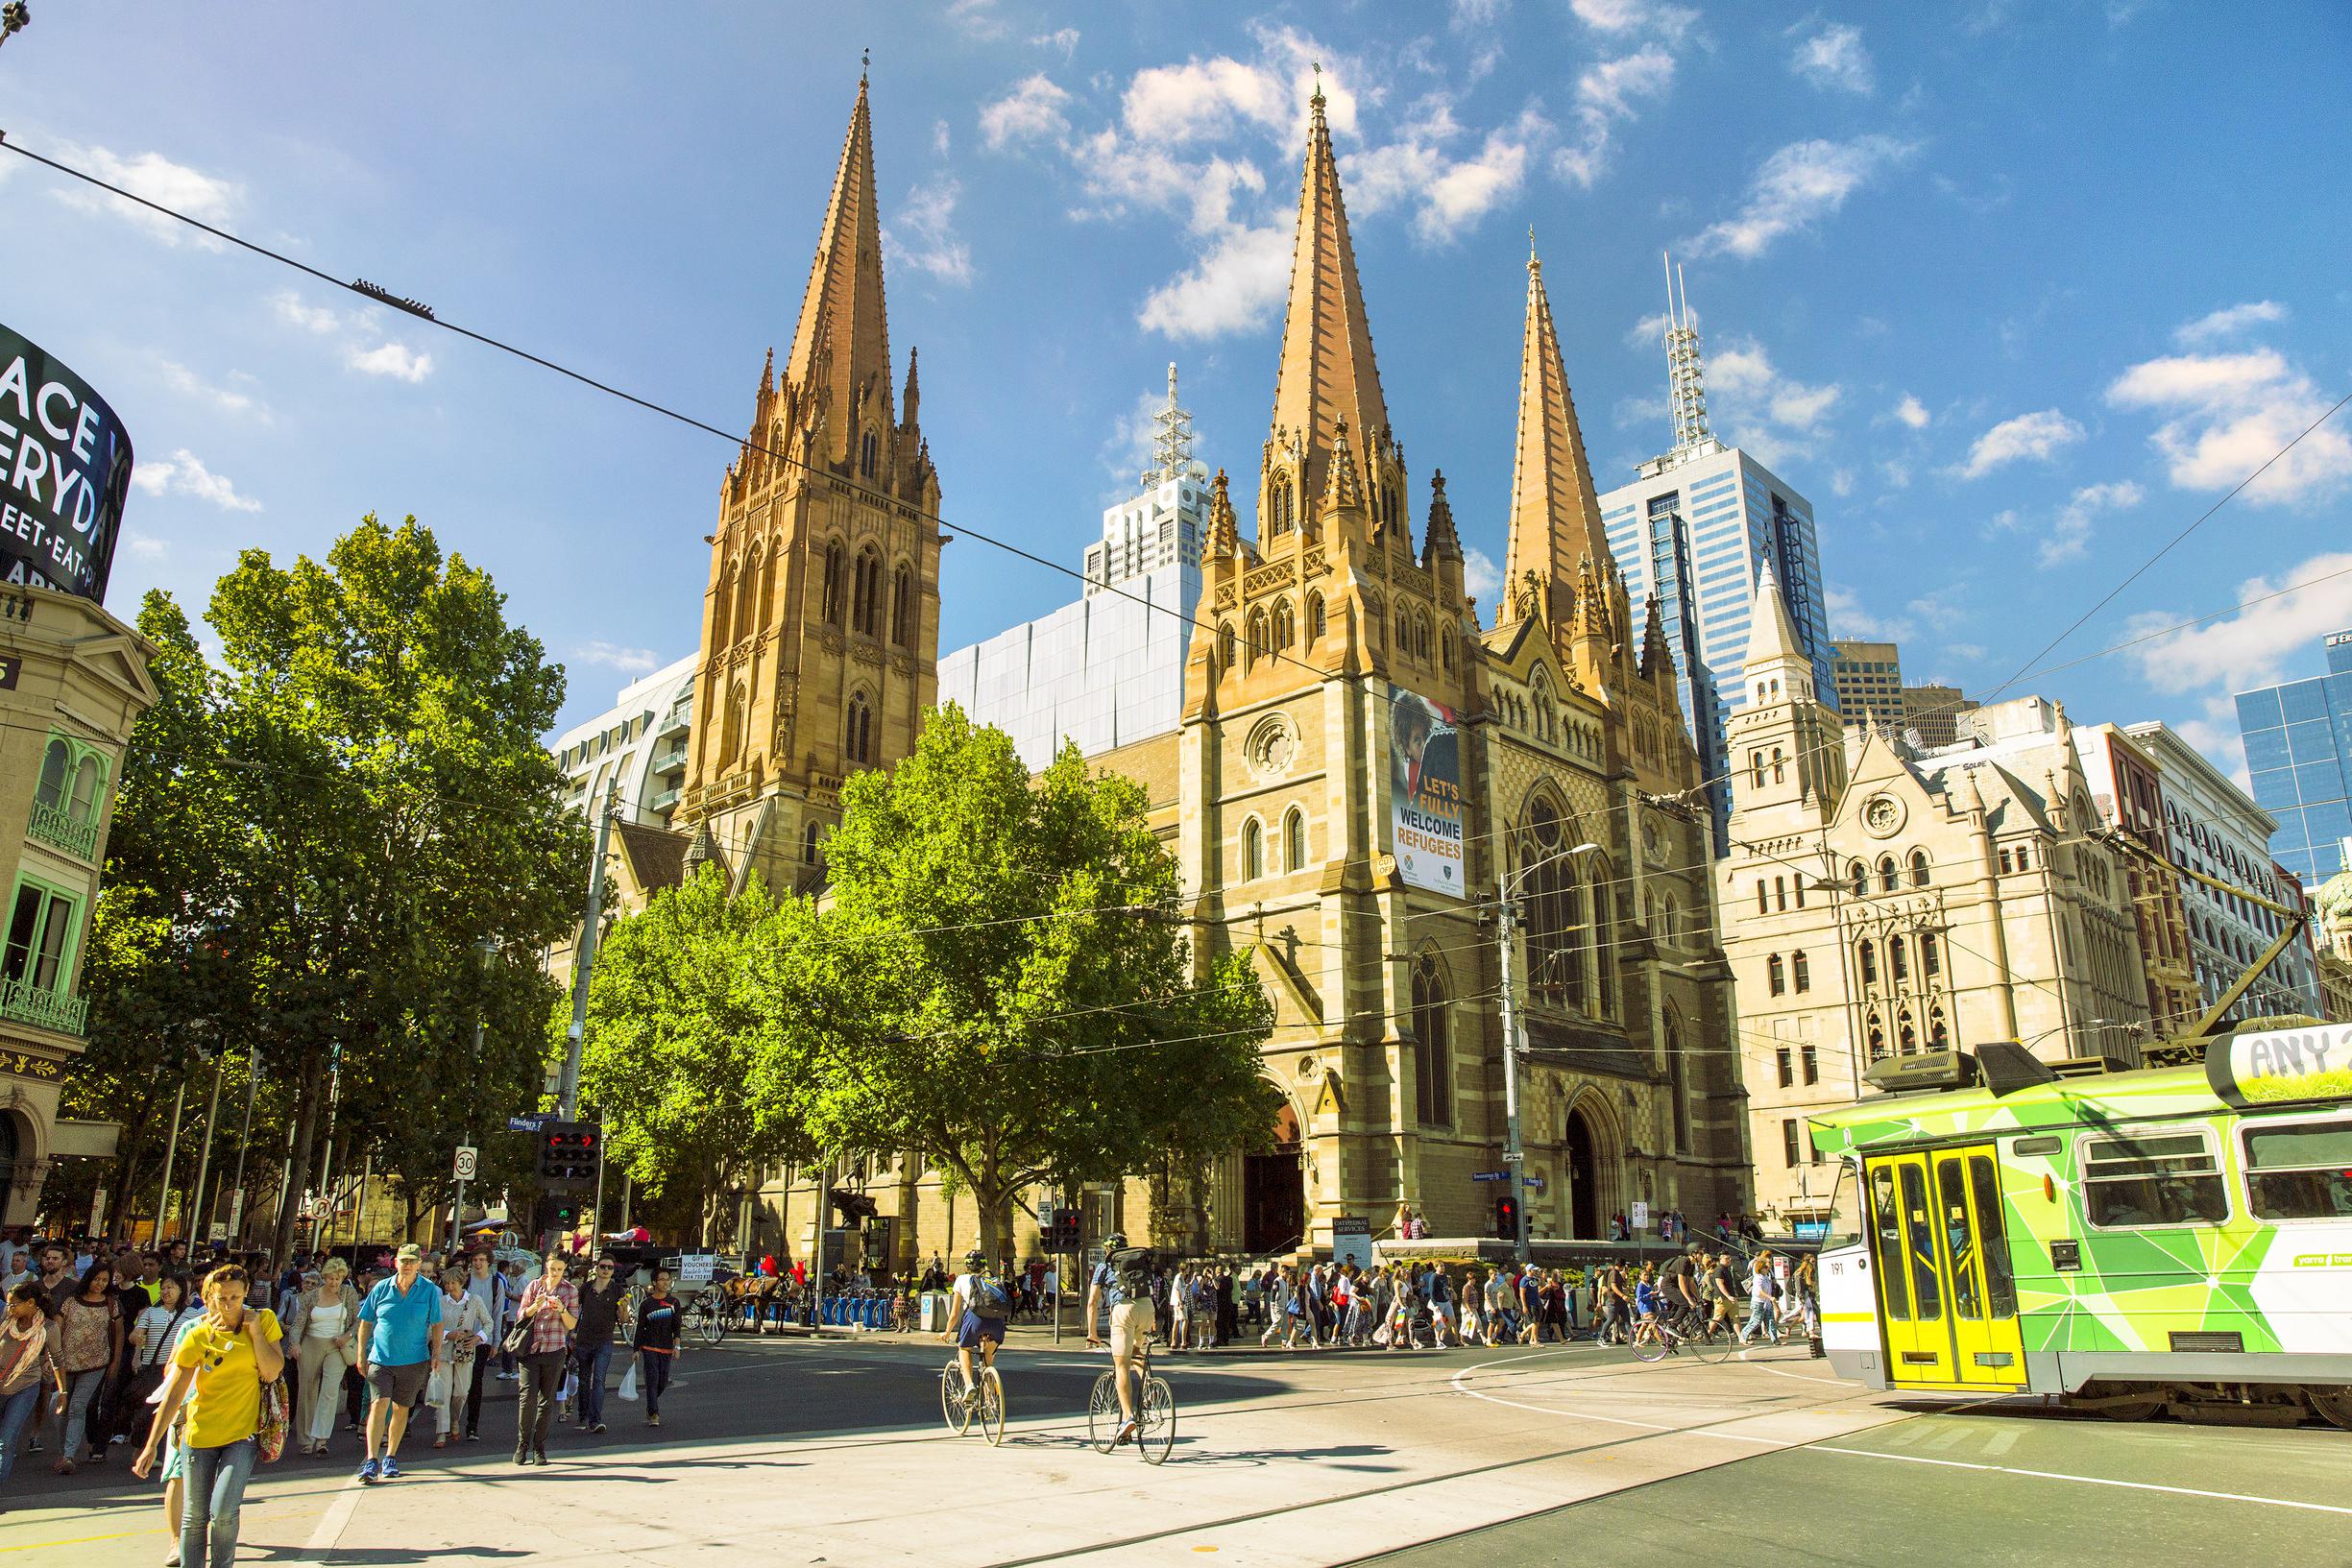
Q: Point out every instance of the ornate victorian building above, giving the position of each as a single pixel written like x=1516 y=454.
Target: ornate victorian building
x=820 y=631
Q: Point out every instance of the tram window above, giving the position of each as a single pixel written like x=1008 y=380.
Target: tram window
x=2301 y=1172
x=1888 y=1228
x=1922 y=1235
x=2164 y=1178
x=1999 y=1286
x=1951 y=1192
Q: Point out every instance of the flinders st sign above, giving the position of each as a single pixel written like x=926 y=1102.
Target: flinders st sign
x=64 y=474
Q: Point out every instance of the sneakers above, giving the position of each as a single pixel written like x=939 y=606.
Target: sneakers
x=653 y=1420
x=369 y=1473
x=389 y=1469
x=597 y=1427
x=1127 y=1434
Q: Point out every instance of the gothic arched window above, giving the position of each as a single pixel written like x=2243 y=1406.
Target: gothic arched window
x=1866 y=956
x=1557 y=931
x=865 y=611
x=808 y=843
x=1919 y=868
x=1774 y=977
x=1898 y=959
x=1858 y=874
x=1778 y=776
x=1254 y=851
x=1294 y=840
x=1225 y=644
x=1433 y=1060
x=1676 y=1076
x=1888 y=882
x=834 y=564
x=858 y=735
x=1284 y=635
x=902 y=608
x=1314 y=618
x=1800 y=972
x=1931 y=961
x=1258 y=637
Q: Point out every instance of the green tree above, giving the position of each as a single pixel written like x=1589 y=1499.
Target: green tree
x=995 y=983
x=668 y=1060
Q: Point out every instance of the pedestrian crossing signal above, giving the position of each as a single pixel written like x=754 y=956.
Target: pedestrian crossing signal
x=1507 y=1218
x=568 y=1151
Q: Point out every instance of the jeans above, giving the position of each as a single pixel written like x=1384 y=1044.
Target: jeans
x=591 y=1362
x=15 y=1412
x=543 y=1378
x=1762 y=1312
x=81 y=1390
x=653 y=1377
x=211 y=1493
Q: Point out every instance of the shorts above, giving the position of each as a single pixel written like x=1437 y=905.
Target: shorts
x=402 y=1385
x=1131 y=1329
x=975 y=1328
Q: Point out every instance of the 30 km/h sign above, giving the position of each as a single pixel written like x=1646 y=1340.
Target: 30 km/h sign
x=467 y=1154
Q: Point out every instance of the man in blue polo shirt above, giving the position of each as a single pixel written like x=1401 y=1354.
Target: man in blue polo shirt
x=400 y=1343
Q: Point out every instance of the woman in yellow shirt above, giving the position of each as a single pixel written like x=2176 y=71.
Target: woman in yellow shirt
x=218 y=1370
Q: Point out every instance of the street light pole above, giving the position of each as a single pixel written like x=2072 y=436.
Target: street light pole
x=1514 y=1154
x=568 y=1099
x=171 y=1152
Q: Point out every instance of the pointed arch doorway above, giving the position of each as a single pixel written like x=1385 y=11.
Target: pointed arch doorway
x=1585 y=1220
x=1273 y=1190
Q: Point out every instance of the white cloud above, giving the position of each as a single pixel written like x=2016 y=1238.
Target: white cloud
x=1834 y=58
x=1452 y=193
x=1606 y=94
x=1748 y=392
x=976 y=18
x=2229 y=322
x=924 y=234
x=1897 y=474
x=1469 y=13
x=1911 y=412
x=1841 y=482
x=1650 y=332
x=1063 y=40
x=628 y=660
x=228 y=399
x=1849 y=620
x=2037 y=436
x=2069 y=536
x=1801 y=183
x=1481 y=578
x=1635 y=16
x=1206 y=98
x=145 y=546
x=308 y=317
x=942 y=140
x=159 y=179
x=2226 y=415
x=1033 y=108
x=396 y=360
x=2259 y=645
x=184 y=474
x=1236 y=286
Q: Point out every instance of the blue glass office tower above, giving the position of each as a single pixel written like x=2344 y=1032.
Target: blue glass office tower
x=2299 y=746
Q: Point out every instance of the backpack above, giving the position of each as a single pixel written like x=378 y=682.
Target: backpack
x=1131 y=1269
x=988 y=1298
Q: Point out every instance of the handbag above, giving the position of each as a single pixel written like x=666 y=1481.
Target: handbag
x=270 y=1430
x=628 y=1384
x=518 y=1340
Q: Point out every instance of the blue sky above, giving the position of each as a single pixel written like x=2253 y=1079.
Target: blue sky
x=2012 y=291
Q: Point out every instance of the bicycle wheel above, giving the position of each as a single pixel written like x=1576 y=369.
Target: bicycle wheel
x=1103 y=1414
x=951 y=1409
x=1716 y=1343
x=1651 y=1347
x=991 y=1406
x=1156 y=1424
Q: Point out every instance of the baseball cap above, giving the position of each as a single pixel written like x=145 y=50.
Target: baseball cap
x=411 y=1253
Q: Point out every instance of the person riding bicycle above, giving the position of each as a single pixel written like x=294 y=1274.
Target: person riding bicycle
x=980 y=1306
x=1123 y=1281
x=1679 y=1290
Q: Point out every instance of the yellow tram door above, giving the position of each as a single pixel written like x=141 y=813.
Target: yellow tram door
x=1911 y=1270
x=1981 y=1292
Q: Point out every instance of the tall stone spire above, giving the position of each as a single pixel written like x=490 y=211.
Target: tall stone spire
x=1327 y=373
x=1773 y=648
x=841 y=350
x=1555 y=514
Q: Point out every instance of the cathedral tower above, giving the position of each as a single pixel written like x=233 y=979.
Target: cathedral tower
x=820 y=628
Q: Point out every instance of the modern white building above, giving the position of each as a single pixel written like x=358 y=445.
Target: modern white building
x=2213 y=826
x=1697 y=527
x=638 y=746
x=1108 y=670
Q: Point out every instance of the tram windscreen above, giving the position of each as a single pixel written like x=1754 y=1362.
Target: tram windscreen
x=1843 y=1226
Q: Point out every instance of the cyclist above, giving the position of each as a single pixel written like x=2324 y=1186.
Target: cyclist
x=981 y=1307
x=1678 y=1282
x=1122 y=1283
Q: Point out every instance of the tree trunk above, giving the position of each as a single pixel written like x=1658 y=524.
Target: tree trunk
x=903 y=1242
x=995 y=1204
x=309 y=1128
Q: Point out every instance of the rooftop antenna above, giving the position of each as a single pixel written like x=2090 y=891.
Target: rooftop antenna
x=1685 y=371
x=1172 y=438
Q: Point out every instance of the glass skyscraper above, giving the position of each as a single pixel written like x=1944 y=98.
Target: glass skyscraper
x=2298 y=747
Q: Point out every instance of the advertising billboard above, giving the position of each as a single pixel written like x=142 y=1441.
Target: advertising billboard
x=1425 y=792
x=64 y=474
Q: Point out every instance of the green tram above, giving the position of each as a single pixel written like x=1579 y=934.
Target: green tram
x=2129 y=1241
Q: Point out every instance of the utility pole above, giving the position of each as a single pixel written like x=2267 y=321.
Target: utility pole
x=236 y=1205
x=204 y=1166
x=1507 y=919
x=568 y=1099
x=171 y=1150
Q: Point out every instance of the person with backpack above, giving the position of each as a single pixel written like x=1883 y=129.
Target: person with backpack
x=982 y=1307
x=1122 y=1283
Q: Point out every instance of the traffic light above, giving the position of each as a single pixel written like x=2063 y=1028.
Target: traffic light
x=559 y=1214
x=1063 y=1237
x=1507 y=1218
x=567 y=1153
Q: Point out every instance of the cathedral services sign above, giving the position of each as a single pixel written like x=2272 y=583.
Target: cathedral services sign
x=64 y=474
x=1425 y=792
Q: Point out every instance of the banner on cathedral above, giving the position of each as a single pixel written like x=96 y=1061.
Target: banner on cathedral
x=64 y=474
x=1425 y=792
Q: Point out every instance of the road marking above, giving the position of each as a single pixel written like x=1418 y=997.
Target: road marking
x=1455 y=1383
x=2087 y=1481
x=81 y=1541
x=1778 y=1372
x=322 y=1543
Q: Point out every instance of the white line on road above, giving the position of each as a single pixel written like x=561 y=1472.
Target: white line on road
x=338 y=1516
x=2087 y=1481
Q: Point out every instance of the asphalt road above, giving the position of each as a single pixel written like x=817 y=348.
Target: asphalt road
x=801 y=1453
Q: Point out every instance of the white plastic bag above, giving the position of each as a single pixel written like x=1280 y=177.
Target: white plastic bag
x=563 y=1393
x=437 y=1387
x=628 y=1383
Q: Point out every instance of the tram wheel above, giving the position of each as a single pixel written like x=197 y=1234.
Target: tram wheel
x=2334 y=1403
x=2122 y=1401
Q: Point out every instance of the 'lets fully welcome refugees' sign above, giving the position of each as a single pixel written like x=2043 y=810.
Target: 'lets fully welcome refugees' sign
x=64 y=474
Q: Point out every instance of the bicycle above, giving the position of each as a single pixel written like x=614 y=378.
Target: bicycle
x=1710 y=1338
x=1154 y=1416
x=958 y=1408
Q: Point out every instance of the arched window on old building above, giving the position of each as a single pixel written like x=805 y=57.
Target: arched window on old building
x=1433 y=1066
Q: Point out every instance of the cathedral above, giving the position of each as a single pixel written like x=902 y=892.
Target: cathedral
x=1365 y=769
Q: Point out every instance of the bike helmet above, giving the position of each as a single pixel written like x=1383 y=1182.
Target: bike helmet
x=1115 y=1242
x=975 y=1258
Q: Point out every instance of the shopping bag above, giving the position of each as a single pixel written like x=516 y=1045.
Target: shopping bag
x=563 y=1395
x=628 y=1385
x=437 y=1386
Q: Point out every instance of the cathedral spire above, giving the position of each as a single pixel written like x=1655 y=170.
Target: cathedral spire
x=1327 y=373
x=1555 y=515
x=844 y=339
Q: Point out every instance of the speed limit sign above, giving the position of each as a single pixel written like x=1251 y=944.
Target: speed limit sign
x=465 y=1153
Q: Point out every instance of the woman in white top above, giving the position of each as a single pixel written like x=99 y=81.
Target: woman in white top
x=152 y=1336
x=465 y=1329
x=326 y=1331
